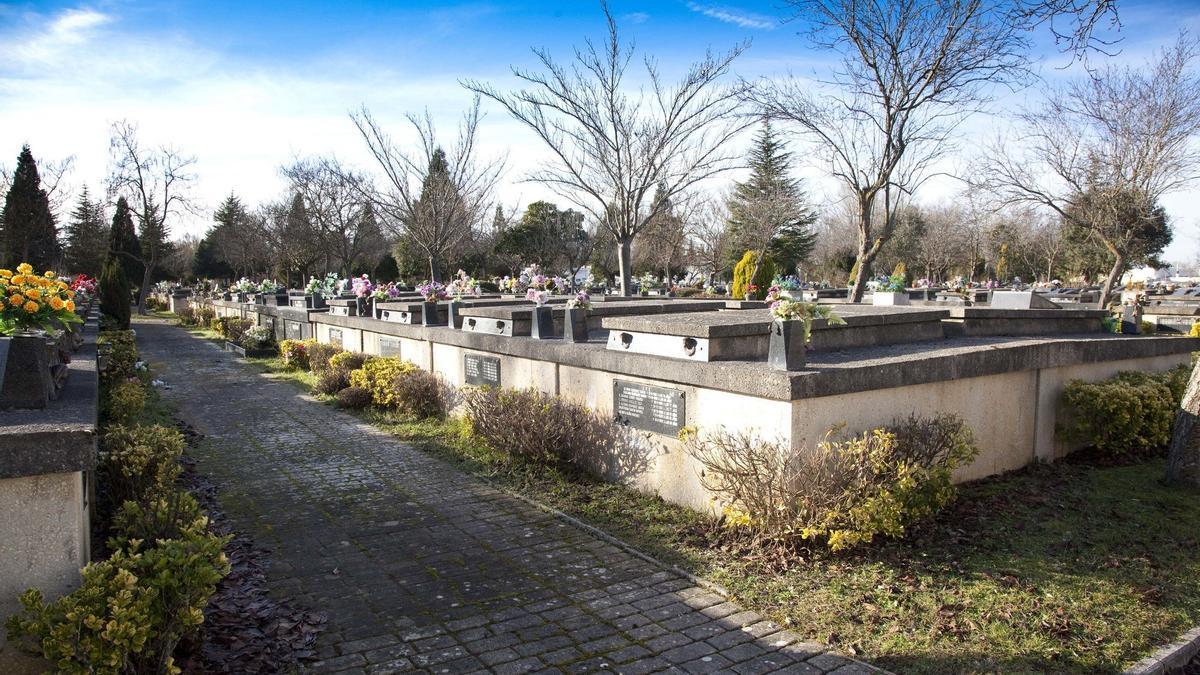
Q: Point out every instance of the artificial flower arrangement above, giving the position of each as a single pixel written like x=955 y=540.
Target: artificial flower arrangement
x=361 y=287
x=895 y=284
x=784 y=309
x=788 y=283
x=269 y=286
x=384 y=292
x=537 y=297
x=84 y=286
x=647 y=281
x=244 y=285
x=923 y=283
x=162 y=287
x=463 y=285
x=581 y=301
x=258 y=337
x=325 y=287
x=432 y=291
x=34 y=301
x=532 y=278
x=506 y=284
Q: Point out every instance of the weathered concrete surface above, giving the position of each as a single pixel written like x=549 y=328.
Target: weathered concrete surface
x=422 y=567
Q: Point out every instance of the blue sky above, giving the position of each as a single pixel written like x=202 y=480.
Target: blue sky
x=246 y=86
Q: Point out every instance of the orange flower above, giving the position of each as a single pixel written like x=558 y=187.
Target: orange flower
x=49 y=274
x=16 y=299
x=25 y=268
x=56 y=303
x=5 y=273
x=33 y=294
x=70 y=294
x=18 y=279
x=70 y=305
x=32 y=307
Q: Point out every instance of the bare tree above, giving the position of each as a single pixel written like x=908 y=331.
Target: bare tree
x=1103 y=150
x=436 y=196
x=334 y=202
x=1074 y=23
x=157 y=182
x=612 y=146
x=911 y=72
x=707 y=230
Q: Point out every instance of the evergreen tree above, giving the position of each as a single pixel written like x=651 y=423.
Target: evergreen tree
x=27 y=228
x=114 y=292
x=770 y=210
x=87 y=237
x=123 y=244
x=208 y=263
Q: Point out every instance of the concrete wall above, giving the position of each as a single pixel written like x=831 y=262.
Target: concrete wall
x=44 y=542
x=1012 y=413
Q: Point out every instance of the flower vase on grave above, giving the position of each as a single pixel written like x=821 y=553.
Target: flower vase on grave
x=429 y=314
x=541 y=324
x=575 y=324
x=26 y=370
x=452 y=318
x=786 y=350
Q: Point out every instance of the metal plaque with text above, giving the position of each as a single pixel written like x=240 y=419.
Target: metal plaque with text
x=336 y=337
x=389 y=346
x=481 y=370
x=647 y=407
x=292 y=330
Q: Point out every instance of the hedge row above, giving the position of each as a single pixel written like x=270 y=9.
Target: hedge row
x=132 y=609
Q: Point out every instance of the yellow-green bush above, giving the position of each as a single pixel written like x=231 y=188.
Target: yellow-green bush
x=1128 y=415
x=319 y=354
x=378 y=376
x=131 y=610
x=139 y=463
x=230 y=327
x=120 y=355
x=742 y=279
x=843 y=493
x=294 y=354
x=123 y=401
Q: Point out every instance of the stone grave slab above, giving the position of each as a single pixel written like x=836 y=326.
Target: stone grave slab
x=1020 y=300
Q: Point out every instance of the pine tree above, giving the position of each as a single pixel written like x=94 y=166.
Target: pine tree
x=770 y=210
x=27 y=226
x=124 y=245
x=87 y=237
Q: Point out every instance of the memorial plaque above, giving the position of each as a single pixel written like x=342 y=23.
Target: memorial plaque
x=299 y=302
x=650 y=408
x=335 y=337
x=292 y=330
x=481 y=370
x=389 y=346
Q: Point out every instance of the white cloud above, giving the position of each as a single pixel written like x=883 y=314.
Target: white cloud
x=733 y=16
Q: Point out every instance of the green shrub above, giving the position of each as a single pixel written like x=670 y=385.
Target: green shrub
x=294 y=354
x=161 y=518
x=347 y=361
x=231 y=327
x=1126 y=416
x=378 y=376
x=843 y=493
x=120 y=355
x=114 y=293
x=319 y=354
x=205 y=314
x=528 y=425
x=419 y=393
x=186 y=316
x=762 y=277
x=257 y=337
x=355 y=398
x=131 y=610
x=123 y=401
x=139 y=463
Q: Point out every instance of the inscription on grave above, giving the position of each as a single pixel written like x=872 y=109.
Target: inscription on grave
x=647 y=407
x=292 y=330
x=481 y=370
x=389 y=346
x=335 y=337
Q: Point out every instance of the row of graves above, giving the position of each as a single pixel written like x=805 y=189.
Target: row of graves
x=661 y=365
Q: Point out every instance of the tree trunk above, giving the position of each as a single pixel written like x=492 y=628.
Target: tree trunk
x=1114 y=275
x=1183 y=457
x=145 y=289
x=625 y=264
x=860 y=275
x=435 y=272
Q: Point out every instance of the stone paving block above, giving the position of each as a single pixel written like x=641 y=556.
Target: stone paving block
x=420 y=566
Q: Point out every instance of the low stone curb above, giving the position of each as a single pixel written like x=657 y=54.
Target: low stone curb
x=1169 y=658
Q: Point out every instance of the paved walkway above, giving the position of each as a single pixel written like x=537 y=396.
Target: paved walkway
x=421 y=567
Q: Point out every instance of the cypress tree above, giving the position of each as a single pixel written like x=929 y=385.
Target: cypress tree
x=771 y=185
x=87 y=237
x=124 y=245
x=29 y=234
x=114 y=292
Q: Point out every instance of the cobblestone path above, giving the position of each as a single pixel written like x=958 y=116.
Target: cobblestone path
x=423 y=568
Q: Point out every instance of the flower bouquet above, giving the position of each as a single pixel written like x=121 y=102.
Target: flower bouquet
x=575 y=317
x=33 y=307
x=432 y=292
x=791 y=331
x=383 y=293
